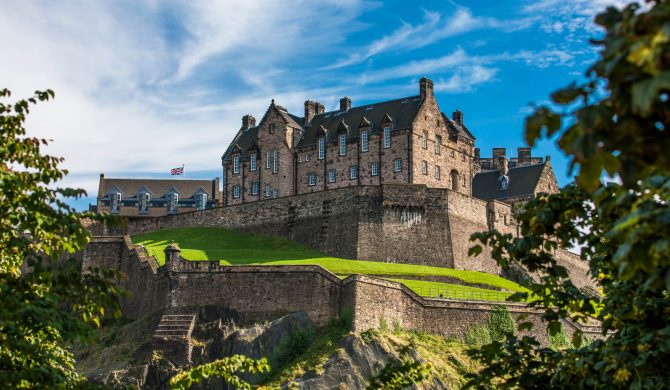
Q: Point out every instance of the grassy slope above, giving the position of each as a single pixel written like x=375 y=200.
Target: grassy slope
x=238 y=248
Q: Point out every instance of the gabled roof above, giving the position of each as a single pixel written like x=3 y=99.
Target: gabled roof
x=402 y=112
x=245 y=140
x=157 y=187
x=522 y=181
x=457 y=129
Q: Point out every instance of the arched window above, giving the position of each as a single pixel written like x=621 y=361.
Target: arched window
x=454 y=179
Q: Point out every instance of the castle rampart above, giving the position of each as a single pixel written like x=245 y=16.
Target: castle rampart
x=251 y=294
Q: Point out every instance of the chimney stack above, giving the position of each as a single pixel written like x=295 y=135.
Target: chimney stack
x=248 y=122
x=498 y=155
x=310 y=111
x=320 y=109
x=457 y=117
x=426 y=88
x=523 y=156
x=345 y=103
x=477 y=154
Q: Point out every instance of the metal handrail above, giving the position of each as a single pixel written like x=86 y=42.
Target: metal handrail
x=429 y=292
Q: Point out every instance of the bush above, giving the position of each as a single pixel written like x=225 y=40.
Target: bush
x=559 y=340
x=292 y=347
x=478 y=335
x=501 y=323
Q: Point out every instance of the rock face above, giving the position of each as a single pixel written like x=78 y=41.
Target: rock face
x=356 y=359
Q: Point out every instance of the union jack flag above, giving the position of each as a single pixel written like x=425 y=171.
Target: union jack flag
x=177 y=171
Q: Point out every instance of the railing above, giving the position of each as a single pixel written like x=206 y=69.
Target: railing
x=429 y=292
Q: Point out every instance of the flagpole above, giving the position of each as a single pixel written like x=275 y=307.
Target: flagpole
x=183 y=170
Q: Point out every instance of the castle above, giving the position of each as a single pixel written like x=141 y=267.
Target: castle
x=401 y=141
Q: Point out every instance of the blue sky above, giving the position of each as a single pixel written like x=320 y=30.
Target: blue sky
x=142 y=87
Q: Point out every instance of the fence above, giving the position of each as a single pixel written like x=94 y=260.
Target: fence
x=470 y=295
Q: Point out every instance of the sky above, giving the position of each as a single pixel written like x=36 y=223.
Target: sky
x=145 y=86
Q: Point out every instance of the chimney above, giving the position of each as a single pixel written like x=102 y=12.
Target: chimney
x=426 y=88
x=248 y=122
x=498 y=155
x=457 y=116
x=523 y=156
x=477 y=154
x=310 y=111
x=345 y=103
x=320 y=109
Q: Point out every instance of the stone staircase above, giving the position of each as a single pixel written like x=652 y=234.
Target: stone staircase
x=175 y=326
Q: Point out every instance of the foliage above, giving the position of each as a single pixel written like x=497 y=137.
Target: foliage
x=290 y=348
x=225 y=368
x=478 y=335
x=501 y=324
x=559 y=340
x=616 y=122
x=398 y=375
x=231 y=247
x=47 y=305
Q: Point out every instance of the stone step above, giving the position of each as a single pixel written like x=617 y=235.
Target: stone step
x=175 y=326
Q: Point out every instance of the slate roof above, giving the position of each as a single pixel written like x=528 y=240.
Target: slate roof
x=402 y=112
x=157 y=187
x=522 y=181
x=458 y=129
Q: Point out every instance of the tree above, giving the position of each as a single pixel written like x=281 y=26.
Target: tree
x=47 y=304
x=617 y=122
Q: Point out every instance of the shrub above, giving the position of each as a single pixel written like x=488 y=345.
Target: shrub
x=501 y=323
x=478 y=335
x=559 y=340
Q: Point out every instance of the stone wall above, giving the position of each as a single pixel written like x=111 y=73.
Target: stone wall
x=252 y=294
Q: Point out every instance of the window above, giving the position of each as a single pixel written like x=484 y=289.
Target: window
x=201 y=201
x=236 y=165
x=424 y=167
x=387 y=137
x=322 y=148
x=365 y=141
x=272 y=128
x=253 y=161
x=144 y=202
x=115 y=201
x=267 y=159
x=275 y=193
x=275 y=161
x=424 y=139
x=236 y=192
x=437 y=172
x=353 y=172
x=254 y=188
x=397 y=165
x=453 y=154
x=504 y=183
x=332 y=176
x=343 y=144
x=438 y=144
x=173 y=201
x=311 y=179
x=307 y=156
x=268 y=191
x=454 y=179
x=374 y=169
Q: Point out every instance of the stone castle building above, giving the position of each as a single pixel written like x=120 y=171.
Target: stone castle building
x=402 y=141
x=145 y=198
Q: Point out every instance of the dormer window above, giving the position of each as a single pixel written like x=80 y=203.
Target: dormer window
x=200 y=201
x=322 y=148
x=504 y=182
x=114 y=201
x=387 y=137
x=236 y=165
x=343 y=144
x=365 y=141
x=144 y=202
x=173 y=200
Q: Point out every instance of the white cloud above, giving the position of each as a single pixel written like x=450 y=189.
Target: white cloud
x=146 y=87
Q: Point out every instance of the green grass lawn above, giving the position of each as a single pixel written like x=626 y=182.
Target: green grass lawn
x=237 y=248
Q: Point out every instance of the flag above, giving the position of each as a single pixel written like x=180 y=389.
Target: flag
x=177 y=171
